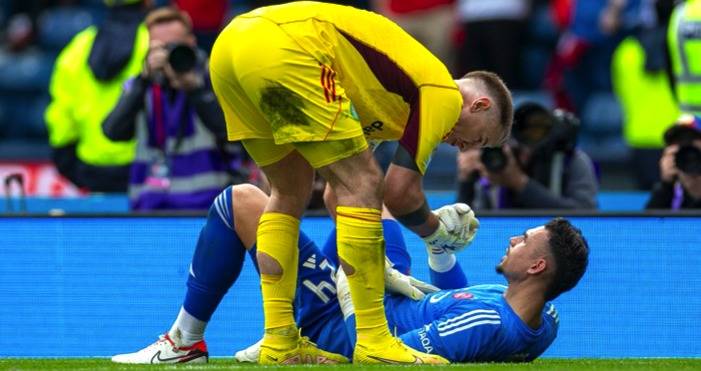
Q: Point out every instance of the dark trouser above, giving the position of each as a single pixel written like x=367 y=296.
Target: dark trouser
x=646 y=167
x=111 y=179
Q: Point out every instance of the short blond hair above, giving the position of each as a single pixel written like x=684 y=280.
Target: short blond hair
x=168 y=14
x=501 y=95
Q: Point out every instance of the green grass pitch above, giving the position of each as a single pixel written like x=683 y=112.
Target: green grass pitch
x=228 y=364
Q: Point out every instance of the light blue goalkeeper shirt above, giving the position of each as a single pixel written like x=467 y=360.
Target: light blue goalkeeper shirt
x=471 y=324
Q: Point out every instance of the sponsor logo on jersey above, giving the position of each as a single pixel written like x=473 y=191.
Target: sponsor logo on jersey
x=374 y=127
x=463 y=295
x=436 y=298
x=425 y=341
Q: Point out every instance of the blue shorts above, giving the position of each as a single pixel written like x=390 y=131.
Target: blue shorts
x=325 y=324
x=317 y=311
x=330 y=333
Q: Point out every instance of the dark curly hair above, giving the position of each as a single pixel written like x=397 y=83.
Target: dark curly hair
x=571 y=253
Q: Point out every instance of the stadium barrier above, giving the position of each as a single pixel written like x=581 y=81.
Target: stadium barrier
x=119 y=203
x=77 y=286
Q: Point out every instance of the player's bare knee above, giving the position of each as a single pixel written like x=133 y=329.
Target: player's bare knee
x=360 y=188
x=371 y=191
x=347 y=268
x=363 y=194
x=268 y=264
x=289 y=202
x=248 y=192
x=248 y=199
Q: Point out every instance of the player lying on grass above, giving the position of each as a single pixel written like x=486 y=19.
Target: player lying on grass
x=462 y=324
x=314 y=89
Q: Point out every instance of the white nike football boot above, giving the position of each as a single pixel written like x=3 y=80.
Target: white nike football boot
x=165 y=351
x=250 y=354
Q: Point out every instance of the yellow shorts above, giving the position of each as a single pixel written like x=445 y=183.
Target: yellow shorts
x=277 y=97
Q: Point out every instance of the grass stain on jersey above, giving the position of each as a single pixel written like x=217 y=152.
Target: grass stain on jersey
x=282 y=106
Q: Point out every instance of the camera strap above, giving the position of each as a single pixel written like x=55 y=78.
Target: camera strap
x=168 y=118
x=678 y=197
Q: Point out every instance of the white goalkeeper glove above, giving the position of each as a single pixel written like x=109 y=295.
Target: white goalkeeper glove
x=399 y=283
x=395 y=282
x=457 y=226
x=343 y=294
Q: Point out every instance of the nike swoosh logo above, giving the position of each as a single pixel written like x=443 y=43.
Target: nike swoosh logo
x=183 y=358
x=436 y=298
x=274 y=359
x=417 y=360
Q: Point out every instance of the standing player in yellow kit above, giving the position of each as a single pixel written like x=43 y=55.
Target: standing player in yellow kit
x=307 y=86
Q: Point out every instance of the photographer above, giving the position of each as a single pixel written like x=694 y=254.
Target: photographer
x=181 y=162
x=540 y=168
x=680 y=168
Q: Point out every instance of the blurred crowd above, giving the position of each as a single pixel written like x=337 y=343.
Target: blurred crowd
x=116 y=94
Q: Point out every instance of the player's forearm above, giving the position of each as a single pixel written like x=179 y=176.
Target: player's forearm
x=120 y=123
x=405 y=199
x=420 y=221
x=452 y=278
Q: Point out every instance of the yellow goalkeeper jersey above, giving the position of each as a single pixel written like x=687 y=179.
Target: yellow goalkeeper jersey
x=395 y=87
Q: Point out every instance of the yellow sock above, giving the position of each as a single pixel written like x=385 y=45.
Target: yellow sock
x=277 y=237
x=361 y=245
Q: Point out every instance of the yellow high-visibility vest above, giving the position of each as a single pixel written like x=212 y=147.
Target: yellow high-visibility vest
x=80 y=102
x=646 y=98
x=684 y=40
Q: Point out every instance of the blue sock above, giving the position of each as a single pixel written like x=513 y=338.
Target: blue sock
x=350 y=328
x=217 y=261
x=396 y=251
x=454 y=278
x=395 y=246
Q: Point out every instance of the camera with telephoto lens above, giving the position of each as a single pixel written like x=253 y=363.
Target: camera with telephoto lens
x=494 y=159
x=181 y=57
x=536 y=127
x=684 y=133
x=688 y=159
